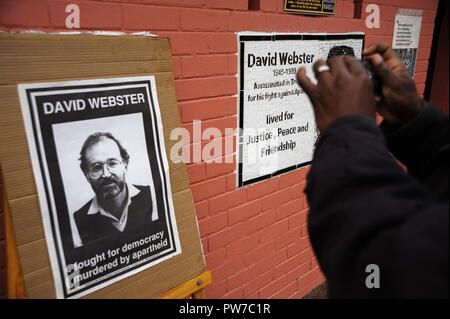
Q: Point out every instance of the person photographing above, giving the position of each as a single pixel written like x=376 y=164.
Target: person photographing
x=365 y=209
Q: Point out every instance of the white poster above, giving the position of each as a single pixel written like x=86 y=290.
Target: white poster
x=276 y=119
x=101 y=171
x=406 y=37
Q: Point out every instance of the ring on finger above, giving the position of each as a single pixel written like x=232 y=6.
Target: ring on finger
x=323 y=68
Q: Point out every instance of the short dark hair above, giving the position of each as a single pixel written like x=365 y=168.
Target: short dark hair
x=340 y=50
x=95 y=138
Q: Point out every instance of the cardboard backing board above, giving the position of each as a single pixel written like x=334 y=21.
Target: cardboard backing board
x=37 y=58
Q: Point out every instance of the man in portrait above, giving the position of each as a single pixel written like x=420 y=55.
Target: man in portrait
x=118 y=207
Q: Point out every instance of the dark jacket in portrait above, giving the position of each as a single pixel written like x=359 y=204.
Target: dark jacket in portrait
x=94 y=227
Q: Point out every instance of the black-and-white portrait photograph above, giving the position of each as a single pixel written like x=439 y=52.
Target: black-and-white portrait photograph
x=105 y=161
x=408 y=57
x=101 y=170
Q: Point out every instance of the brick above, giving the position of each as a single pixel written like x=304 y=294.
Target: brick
x=205 y=65
x=222 y=238
x=186 y=43
x=426 y=29
x=227 y=200
x=298 y=271
x=232 y=64
x=240 y=21
x=216 y=289
x=259 y=253
x=420 y=77
x=298 y=246
x=273 y=287
x=222 y=42
x=178 y=3
x=309 y=278
x=288 y=238
x=314 y=263
x=228 y=165
x=177 y=68
x=240 y=279
x=231 y=182
x=27 y=13
x=306 y=255
x=268 y=5
x=273 y=231
x=208 y=109
x=298 y=219
x=208 y=189
x=298 y=190
x=261 y=189
x=202 y=209
x=292 y=178
x=143 y=17
x=260 y=221
x=189 y=89
x=305 y=231
x=282 y=23
x=234 y=264
x=226 y=125
x=196 y=172
x=256 y=283
x=227 y=4
x=285 y=267
x=215 y=259
x=285 y=292
x=211 y=149
x=244 y=211
x=253 y=295
x=220 y=273
x=212 y=224
x=235 y=294
x=422 y=66
x=203 y=20
x=276 y=199
x=243 y=245
x=290 y=208
x=92 y=15
x=272 y=260
x=344 y=9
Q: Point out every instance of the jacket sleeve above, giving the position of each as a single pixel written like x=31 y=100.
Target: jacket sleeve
x=365 y=209
x=423 y=146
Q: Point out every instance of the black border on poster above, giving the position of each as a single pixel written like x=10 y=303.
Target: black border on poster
x=153 y=126
x=275 y=37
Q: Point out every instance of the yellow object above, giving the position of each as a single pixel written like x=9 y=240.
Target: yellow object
x=16 y=287
x=194 y=287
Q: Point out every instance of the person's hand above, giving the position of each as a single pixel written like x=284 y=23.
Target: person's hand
x=399 y=102
x=343 y=90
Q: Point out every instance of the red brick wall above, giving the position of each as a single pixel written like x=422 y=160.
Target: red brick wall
x=255 y=239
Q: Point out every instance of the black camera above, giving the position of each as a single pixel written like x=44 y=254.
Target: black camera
x=367 y=64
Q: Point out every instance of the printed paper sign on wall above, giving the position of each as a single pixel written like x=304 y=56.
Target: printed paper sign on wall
x=100 y=165
x=314 y=7
x=276 y=119
x=406 y=37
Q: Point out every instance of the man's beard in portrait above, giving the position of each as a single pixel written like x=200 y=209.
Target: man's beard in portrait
x=109 y=187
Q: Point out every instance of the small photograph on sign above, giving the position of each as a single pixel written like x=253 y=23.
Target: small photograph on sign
x=101 y=171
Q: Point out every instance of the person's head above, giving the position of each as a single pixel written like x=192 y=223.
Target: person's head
x=340 y=50
x=104 y=162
